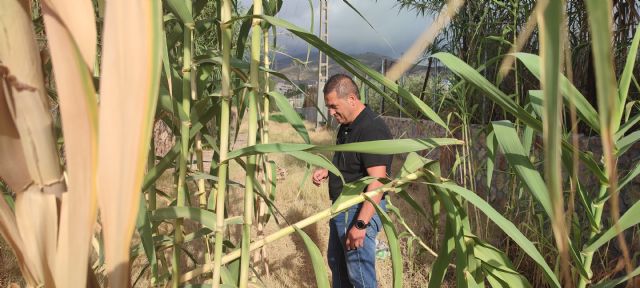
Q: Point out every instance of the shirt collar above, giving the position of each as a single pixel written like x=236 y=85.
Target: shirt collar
x=359 y=119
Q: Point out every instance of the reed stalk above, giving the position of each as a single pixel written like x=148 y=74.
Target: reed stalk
x=151 y=192
x=151 y=205
x=202 y=193
x=264 y=137
x=265 y=89
x=597 y=207
x=225 y=28
x=256 y=31
x=322 y=215
x=184 y=149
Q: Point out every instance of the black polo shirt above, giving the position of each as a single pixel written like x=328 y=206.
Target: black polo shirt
x=368 y=126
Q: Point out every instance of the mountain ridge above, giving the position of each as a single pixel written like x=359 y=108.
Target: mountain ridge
x=295 y=68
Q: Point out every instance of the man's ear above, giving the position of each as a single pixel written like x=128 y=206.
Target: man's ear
x=352 y=98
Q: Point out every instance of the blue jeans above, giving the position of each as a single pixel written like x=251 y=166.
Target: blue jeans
x=353 y=268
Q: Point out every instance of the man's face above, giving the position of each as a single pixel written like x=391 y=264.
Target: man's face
x=340 y=108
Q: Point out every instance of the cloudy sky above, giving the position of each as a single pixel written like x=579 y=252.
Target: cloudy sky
x=394 y=30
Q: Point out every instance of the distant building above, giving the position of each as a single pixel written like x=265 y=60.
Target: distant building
x=284 y=88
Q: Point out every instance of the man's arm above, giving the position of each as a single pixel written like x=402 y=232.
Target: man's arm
x=355 y=237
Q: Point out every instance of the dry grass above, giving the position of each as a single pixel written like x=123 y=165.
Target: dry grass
x=290 y=266
x=9 y=270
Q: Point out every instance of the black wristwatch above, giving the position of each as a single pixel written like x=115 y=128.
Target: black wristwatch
x=360 y=225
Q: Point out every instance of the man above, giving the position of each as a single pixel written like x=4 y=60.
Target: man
x=352 y=248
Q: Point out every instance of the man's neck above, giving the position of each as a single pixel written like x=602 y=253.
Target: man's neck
x=358 y=110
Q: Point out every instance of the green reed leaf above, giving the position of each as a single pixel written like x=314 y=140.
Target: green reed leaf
x=317 y=261
x=290 y=114
x=394 y=245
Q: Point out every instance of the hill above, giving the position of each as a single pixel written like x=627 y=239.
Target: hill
x=295 y=68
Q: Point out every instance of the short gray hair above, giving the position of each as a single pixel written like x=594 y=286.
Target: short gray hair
x=342 y=84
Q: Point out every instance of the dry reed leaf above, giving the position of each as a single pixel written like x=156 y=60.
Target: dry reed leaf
x=9 y=232
x=425 y=40
x=13 y=170
x=78 y=109
x=129 y=86
x=36 y=216
x=27 y=102
x=36 y=211
x=78 y=17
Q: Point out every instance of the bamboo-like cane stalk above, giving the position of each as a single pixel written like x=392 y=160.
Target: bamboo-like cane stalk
x=151 y=161
x=252 y=136
x=202 y=193
x=184 y=150
x=151 y=205
x=266 y=180
x=225 y=28
x=324 y=214
x=265 y=89
x=598 y=208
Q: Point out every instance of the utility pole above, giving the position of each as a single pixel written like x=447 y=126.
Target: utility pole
x=323 y=62
x=384 y=88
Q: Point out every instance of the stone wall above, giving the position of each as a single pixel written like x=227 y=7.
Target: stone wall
x=163 y=138
x=501 y=184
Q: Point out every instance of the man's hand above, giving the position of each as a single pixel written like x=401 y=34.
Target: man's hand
x=319 y=176
x=355 y=238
